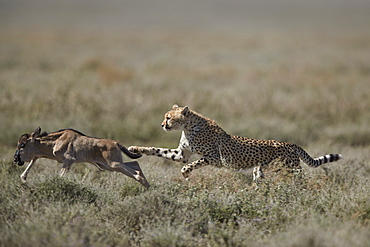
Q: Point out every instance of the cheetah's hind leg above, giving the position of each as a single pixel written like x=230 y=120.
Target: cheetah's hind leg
x=257 y=175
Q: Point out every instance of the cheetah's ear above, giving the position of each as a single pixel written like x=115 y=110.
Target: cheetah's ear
x=174 y=106
x=185 y=110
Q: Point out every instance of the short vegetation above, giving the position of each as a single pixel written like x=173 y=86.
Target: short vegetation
x=309 y=90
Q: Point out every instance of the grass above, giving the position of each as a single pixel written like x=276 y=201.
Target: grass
x=311 y=90
x=321 y=208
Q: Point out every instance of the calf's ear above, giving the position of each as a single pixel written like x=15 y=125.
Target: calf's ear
x=35 y=134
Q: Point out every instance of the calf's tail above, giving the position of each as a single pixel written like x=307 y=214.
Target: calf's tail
x=128 y=153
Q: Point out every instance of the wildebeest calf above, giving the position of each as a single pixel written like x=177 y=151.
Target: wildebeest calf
x=70 y=146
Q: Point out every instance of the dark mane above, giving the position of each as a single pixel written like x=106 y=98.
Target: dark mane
x=78 y=132
x=44 y=133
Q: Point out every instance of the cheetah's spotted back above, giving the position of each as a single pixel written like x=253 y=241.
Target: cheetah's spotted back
x=203 y=136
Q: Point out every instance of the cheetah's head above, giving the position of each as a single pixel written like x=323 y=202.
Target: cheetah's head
x=175 y=118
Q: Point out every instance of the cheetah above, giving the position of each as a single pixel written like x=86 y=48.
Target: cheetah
x=204 y=137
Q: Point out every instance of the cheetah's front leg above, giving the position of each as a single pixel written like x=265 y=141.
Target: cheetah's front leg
x=178 y=154
x=187 y=169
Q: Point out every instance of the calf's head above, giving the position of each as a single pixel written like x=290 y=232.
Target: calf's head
x=26 y=147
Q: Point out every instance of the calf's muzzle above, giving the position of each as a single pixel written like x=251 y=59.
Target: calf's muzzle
x=17 y=158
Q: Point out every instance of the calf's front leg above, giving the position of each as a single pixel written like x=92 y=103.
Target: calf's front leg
x=27 y=170
x=66 y=166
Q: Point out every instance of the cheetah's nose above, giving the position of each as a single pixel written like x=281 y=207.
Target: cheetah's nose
x=165 y=127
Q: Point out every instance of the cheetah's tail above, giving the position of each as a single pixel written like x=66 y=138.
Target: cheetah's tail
x=308 y=160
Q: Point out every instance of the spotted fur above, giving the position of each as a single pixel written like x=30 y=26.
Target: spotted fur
x=204 y=137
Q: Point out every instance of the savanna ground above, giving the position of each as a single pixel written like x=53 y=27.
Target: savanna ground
x=310 y=87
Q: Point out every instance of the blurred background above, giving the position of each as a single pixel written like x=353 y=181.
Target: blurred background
x=227 y=17
x=290 y=70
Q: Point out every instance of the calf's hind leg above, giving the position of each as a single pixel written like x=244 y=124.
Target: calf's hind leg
x=131 y=169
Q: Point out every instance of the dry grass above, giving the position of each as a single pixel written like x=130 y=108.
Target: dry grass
x=309 y=89
x=269 y=87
